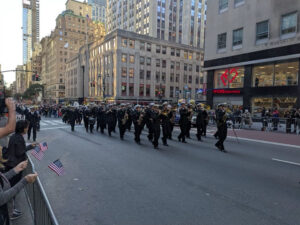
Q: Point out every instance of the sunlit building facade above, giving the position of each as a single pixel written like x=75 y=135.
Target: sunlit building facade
x=98 y=10
x=180 y=21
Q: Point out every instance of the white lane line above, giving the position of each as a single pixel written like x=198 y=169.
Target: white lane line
x=49 y=122
x=284 y=161
x=66 y=126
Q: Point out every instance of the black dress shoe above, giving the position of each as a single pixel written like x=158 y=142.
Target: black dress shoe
x=166 y=144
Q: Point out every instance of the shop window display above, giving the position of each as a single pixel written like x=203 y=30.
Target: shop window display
x=229 y=78
x=280 y=74
x=281 y=103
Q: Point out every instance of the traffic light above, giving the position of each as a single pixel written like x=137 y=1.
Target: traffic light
x=36 y=77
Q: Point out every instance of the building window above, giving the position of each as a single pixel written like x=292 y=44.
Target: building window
x=237 y=39
x=124 y=42
x=280 y=74
x=131 y=89
x=185 y=67
x=157 y=76
x=171 y=92
x=221 y=41
x=281 y=103
x=148 y=90
x=289 y=24
x=185 y=55
x=141 y=92
x=177 y=65
x=172 y=77
x=229 y=78
x=157 y=62
x=177 y=78
x=197 y=68
x=149 y=61
x=157 y=48
x=131 y=43
x=185 y=78
x=197 y=80
x=164 y=63
x=238 y=2
x=190 y=79
x=148 y=75
x=163 y=77
x=142 y=74
x=262 y=30
x=178 y=52
x=142 y=46
x=148 y=47
x=131 y=72
x=124 y=89
x=223 y=5
x=190 y=67
x=124 y=58
x=131 y=59
x=172 y=65
x=124 y=72
x=164 y=50
x=190 y=55
x=172 y=51
x=142 y=60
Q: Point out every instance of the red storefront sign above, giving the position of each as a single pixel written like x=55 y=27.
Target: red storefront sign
x=223 y=91
x=226 y=76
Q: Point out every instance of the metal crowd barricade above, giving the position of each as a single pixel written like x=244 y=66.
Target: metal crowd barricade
x=40 y=207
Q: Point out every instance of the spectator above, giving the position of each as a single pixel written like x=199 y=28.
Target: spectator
x=288 y=119
x=16 y=153
x=275 y=115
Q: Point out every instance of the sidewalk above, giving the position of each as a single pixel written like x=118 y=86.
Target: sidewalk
x=26 y=219
x=276 y=137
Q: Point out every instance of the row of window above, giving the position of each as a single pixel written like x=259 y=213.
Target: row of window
x=159 y=49
x=223 y=4
x=288 y=28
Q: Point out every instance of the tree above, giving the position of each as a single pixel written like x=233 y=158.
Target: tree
x=32 y=91
x=18 y=96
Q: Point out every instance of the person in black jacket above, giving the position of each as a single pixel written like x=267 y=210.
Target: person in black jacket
x=16 y=153
x=122 y=119
x=155 y=120
x=110 y=119
x=199 y=121
x=165 y=123
x=183 y=122
x=222 y=128
x=33 y=119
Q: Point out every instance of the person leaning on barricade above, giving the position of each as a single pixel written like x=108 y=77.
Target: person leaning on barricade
x=7 y=193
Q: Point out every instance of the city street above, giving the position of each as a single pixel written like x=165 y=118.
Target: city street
x=109 y=181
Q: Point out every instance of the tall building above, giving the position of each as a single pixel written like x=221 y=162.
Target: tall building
x=180 y=21
x=252 y=53
x=31 y=27
x=71 y=32
x=129 y=67
x=98 y=10
x=79 y=8
x=20 y=79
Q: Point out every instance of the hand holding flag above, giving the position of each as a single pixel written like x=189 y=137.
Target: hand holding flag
x=57 y=167
x=44 y=146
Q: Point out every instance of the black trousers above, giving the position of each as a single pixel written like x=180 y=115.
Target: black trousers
x=72 y=125
x=137 y=132
x=166 y=130
x=189 y=126
x=156 y=135
x=222 y=133
x=171 y=127
x=150 y=131
x=33 y=128
x=199 y=131
x=122 y=129
x=183 y=130
x=91 y=127
x=86 y=124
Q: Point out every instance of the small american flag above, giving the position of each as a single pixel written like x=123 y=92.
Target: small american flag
x=57 y=167
x=44 y=146
x=37 y=153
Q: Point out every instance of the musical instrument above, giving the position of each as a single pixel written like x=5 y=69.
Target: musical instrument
x=124 y=120
x=141 y=117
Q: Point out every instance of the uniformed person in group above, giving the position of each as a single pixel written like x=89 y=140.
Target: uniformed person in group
x=71 y=114
x=219 y=109
x=222 y=127
x=101 y=118
x=172 y=115
x=183 y=122
x=205 y=118
x=165 y=123
x=199 y=121
x=148 y=122
x=122 y=120
x=86 y=115
x=110 y=119
x=92 y=117
x=33 y=119
x=137 y=119
x=155 y=120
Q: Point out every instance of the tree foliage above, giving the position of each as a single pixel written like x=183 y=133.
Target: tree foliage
x=33 y=90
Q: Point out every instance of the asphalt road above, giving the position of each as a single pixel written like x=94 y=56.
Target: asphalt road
x=109 y=181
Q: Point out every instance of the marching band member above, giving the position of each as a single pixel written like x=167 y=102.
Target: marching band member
x=183 y=122
x=222 y=127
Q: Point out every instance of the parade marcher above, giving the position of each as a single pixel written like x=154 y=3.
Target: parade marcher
x=110 y=118
x=222 y=128
x=155 y=120
x=129 y=120
x=71 y=117
x=33 y=119
x=122 y=119
x=148 y=123
x=205 y=118
x=92 y=117
x=137 y=119
x=199 y=121
x=183 y=122
x=165 y=123
x=189 y=123
x=86 y=115
x=172 y=115
x=216 y=135
x=101 y=119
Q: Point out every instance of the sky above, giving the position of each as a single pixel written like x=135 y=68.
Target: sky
x=11 y=46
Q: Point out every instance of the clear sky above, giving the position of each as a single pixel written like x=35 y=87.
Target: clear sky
x=11 y=46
